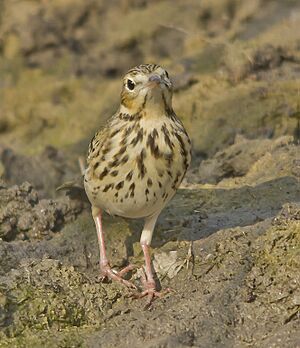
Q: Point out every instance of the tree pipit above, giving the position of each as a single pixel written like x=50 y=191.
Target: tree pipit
x=137 y=161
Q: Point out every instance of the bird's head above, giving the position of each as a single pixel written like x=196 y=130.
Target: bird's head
x=146 y=88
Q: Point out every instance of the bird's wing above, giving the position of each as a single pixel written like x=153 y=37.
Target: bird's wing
x=99 y=140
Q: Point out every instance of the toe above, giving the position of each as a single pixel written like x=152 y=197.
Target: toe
x=126 y=269
x=109 y=273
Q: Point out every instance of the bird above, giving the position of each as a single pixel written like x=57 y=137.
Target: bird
x=136 y=163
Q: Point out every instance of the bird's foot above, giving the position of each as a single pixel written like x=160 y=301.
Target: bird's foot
x=151 y=292
x=108 y=272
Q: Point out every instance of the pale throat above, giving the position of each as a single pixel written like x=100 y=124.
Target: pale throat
x=154 y=107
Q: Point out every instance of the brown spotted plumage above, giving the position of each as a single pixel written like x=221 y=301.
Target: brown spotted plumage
x=138 y=160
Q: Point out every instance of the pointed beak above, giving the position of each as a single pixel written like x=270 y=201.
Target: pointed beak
x=155 y=79
x=158 y=81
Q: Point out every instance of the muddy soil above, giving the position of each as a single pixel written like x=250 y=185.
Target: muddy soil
x=228 y=244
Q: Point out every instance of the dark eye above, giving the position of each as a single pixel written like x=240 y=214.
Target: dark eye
x=130 y=84
x=167 y=75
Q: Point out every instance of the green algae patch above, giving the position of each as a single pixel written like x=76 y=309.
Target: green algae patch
x=46 y=295
x=37 y=339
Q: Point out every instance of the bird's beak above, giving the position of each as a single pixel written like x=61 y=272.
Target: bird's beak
x=154 y=81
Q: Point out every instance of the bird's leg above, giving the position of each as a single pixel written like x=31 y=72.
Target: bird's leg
x=106 y=270
x=149 y=282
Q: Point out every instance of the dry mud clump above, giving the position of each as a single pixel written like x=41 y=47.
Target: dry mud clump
x=24 y=216
x=46 y=172
x=272 y=285
x=251 y=161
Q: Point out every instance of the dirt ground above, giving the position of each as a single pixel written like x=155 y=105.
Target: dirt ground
x=228 y=244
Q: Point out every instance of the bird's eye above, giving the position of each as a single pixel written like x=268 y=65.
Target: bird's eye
x=130 y=84
x=167 y=75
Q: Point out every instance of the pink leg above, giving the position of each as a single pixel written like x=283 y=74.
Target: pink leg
x=149 y=283
x=106 y=270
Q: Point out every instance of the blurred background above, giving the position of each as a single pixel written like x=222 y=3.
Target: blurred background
x=235 y=66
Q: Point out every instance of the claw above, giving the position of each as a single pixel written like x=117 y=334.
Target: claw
x=150 y=291
x=108 y=272
x=151 y=294
x=126 y=270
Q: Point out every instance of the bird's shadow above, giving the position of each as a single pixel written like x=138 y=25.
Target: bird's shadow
x=197 y=213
